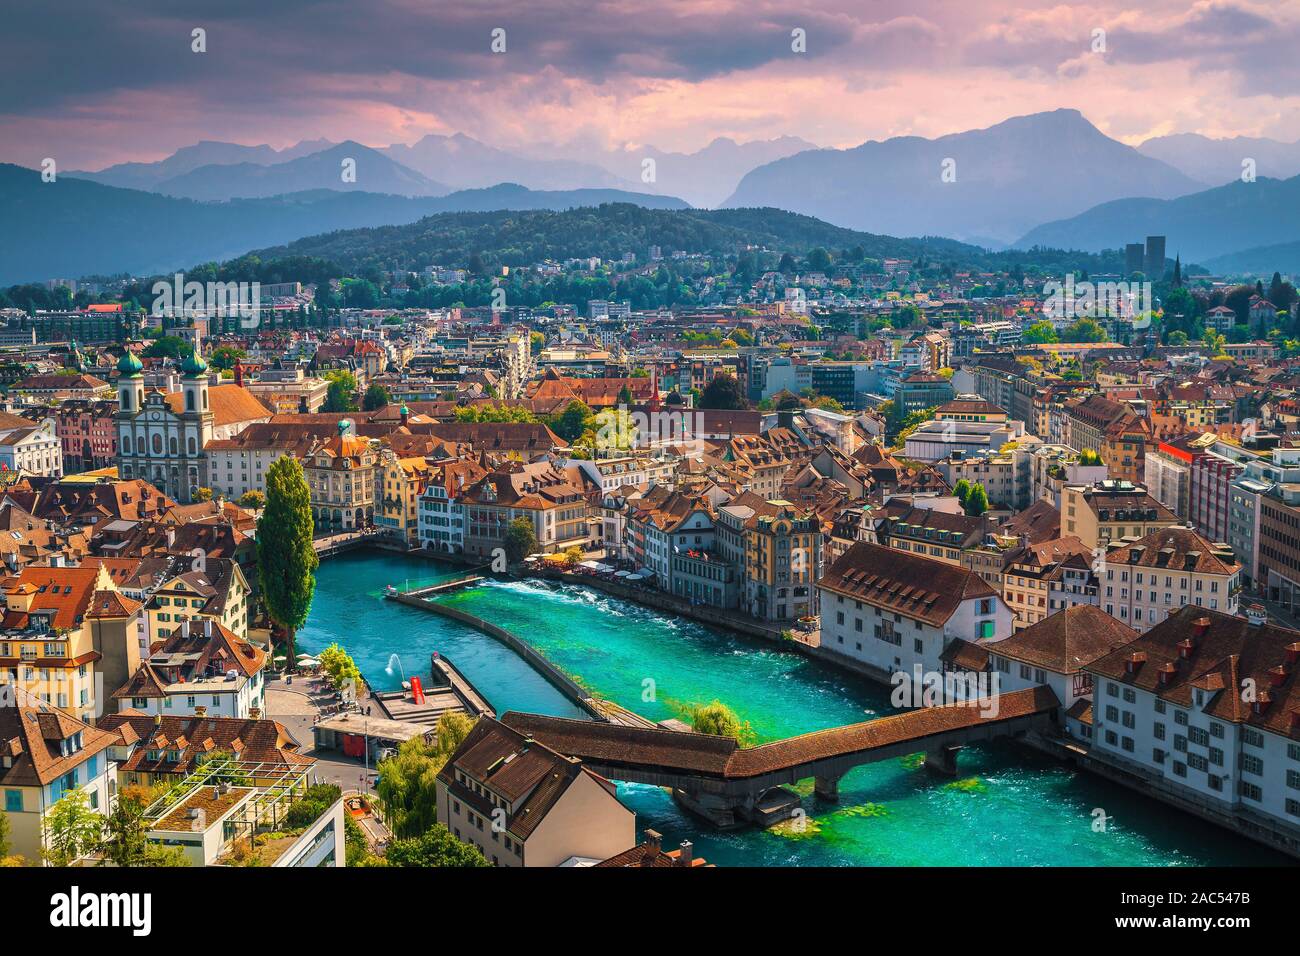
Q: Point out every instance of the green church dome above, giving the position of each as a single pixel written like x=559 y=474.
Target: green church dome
x=194 y=366
x=128 y=364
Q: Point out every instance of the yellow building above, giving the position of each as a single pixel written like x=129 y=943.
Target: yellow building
x=340 y=473
x=402 y=481
x=783 y=561
x=62 y=627
x=46 y=753
x=204 y=588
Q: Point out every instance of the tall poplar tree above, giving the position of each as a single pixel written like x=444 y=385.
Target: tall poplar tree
x=286 y=561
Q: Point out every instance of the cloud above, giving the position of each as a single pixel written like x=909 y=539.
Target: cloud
x=675 y=74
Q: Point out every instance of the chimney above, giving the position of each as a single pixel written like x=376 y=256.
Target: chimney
x=685 y=852
x=1185 y=648
x=185 y=628
x=1135 y=662
x=207 y=627
x=653 y=841
x=1199 y=627
x=1277 y=675
x=1261 y=702
x=1166 y=673
x=239 y=374
x=157 y=720
x=255 y=713
x=200 y=710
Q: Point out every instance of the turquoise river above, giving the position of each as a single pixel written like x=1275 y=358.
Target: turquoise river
x=1008 y=807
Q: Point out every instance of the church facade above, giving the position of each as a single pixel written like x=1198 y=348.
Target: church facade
x=163 y=438
x=157 y=441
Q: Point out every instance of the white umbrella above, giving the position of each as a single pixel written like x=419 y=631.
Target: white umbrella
x=623 y=574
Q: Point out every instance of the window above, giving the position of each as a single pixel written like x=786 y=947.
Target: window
x=13 y=801
x=1252 y=764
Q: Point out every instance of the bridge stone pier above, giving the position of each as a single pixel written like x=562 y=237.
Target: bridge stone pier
x=942 y=760
x=733 y=786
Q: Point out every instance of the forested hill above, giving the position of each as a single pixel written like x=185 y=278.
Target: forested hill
x=511 y=238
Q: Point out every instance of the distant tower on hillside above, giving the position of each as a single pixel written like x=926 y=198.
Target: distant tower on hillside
x=1155 y=258
x=1134 y=258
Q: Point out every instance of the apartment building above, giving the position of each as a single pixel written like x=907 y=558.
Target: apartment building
x=44 y=753
x=891 y=611
x=239 y=464
x=524 y=805
x=1056 y=650
x=210 y=589
x=62 y=629
x=1109 y=510
x=1145 y=581
x=32 y=448
x=341 y=475
x=540 y=492
x=1113 y=430
x=783 y=562
x=441 y=521
x=401 y=482
x=202 y=668
x=1027 y=577
x=1205 y=709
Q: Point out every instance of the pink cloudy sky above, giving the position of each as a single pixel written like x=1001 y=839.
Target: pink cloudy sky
x=92 y=83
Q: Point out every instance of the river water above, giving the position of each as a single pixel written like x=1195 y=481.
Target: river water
x=1008 y=806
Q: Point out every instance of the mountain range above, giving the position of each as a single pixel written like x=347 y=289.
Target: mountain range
x=74 y=228
x=1218 y=161
x=1049 y=179
x=436 y=165
x=1199 y=227
x=1002 y=180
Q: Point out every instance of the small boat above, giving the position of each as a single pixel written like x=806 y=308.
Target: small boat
x=391 y=591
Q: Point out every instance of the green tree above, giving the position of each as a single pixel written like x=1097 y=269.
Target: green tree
x=573 y=421
x=252 y=499
x=406 y=786
x=286 y=560
x=5 y=845
x=962 y=490
x=723 y=392
x=342 y=393
x=72 y=829
x=203 y=494
x=168 y=346
x=819 y=260
x=436 y=847
x=1213 y=342
x=376 y=397
x=125 y=842
x=1040 y=333
x=977 y=502
x=338 y=665
x=1084 y=330
x=719 y=719
x=521 y=539
x=226 y=356
x=1089 y=456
